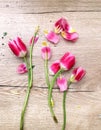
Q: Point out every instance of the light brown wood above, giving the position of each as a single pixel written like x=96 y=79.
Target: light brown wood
x=83 y=109
x=20 y=18
x=46 y=6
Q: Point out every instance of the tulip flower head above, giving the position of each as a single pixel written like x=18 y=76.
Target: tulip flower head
x=77 y=74
x=62 y=83
x=45 y=51
x=67 y=61
x=18 y=47
x=54 y=68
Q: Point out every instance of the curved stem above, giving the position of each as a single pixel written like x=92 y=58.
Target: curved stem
x=50 y=95
x=64 y=107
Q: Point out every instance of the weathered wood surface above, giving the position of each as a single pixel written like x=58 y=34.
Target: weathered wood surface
x=84 y=98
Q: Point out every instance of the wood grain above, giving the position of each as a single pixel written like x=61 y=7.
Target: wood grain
x=46 y=6
x=19 y=18
x=83 y=109
x=87 y=49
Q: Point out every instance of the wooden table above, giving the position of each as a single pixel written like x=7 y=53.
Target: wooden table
x=19 y=18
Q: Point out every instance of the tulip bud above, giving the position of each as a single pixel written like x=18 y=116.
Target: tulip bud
x=18 y=47
x=67 y=61
x=77 y=74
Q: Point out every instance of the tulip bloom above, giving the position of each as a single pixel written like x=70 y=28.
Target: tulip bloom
x=22 y=68
x=67 y=61
x=77 y=74
x=46 y=53
x=61 y=25
x=62 y=83
x=52 y=37
x=55 y=67
x=18 y=47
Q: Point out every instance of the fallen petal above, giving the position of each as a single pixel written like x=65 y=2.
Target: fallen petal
x=52 y=37
x=22 y=68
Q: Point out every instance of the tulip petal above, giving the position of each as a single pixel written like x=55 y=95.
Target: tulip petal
x=54 y=68
x=62 y=83
x=22 y=68
x=70 y=36
x=61 y=25
x=52 y=37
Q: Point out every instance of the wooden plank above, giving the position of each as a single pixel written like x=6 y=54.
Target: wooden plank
x=83 y=110
x=42 y=6
x=87 y=49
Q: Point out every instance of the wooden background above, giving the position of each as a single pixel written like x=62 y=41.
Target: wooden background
x=19 y=18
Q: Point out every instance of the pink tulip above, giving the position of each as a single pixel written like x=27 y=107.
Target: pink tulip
x=77 y=74
x=67 y=61
x=22 y=68
x=62 y=83
x=18 y=47
x=55 y=67
x=70 y=36
x=46 y=53
x=34 y=39
x=52 y=37
x=61 y=25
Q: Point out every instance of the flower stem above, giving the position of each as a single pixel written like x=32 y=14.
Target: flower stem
x=64 y=107
x=46 y=73
x=30 y=82
x=24 y=109
x=50 y=95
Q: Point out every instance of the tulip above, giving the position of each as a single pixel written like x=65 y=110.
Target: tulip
x=67 y=61
x=77 y=74
x=55 y=67
x=52 y=37
x=62 y=83
x=46 y=53
x=61 y=25
x=18 y=47
x=22 y=69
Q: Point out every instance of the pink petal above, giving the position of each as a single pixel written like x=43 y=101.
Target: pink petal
x=62 y=83
x=55 y=67
x=70 y=36
x=22 y=68
x=52 y=37
x=61 y=25
x=46 y=53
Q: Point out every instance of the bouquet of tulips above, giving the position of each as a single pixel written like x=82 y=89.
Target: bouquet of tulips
x=58 y=67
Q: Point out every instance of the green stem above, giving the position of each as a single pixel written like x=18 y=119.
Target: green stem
x=30 y=82
x=50 y=95
x=46 y=73
x=64 y=107
x=24 y=109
